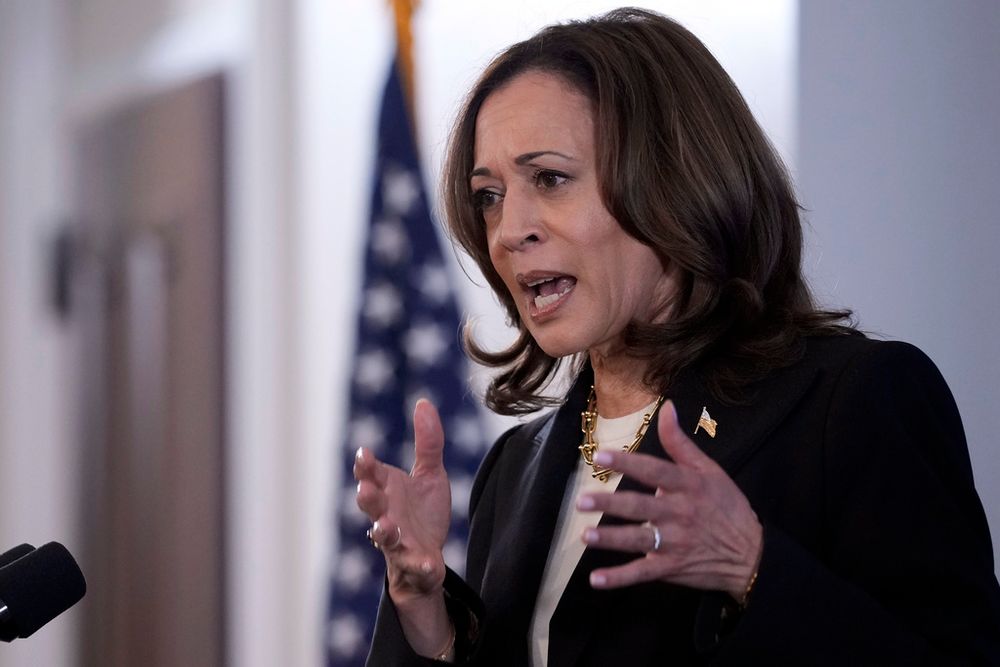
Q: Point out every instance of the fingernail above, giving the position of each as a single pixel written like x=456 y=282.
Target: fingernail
x=360 y=453
x=597 y=579
x=604 y=458
x=590 y=536
x=375 y=528
x=585 y=503
x=359 y=487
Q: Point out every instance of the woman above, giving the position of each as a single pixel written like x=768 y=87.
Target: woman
x=797 y=493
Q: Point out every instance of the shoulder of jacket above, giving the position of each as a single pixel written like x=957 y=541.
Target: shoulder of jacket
x=860 y=353
x=515 y=437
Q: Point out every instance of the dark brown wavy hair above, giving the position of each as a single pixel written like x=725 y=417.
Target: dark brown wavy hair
x=684 y=168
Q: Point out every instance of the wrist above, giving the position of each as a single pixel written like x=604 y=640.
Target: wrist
x=426 y=625
x=447 y=652
x=744 y=584
x=410 y=601
x=744 y=599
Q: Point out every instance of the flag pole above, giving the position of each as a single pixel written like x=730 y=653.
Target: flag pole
x=404 y=10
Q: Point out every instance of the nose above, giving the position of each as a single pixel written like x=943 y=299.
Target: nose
x=522 y=223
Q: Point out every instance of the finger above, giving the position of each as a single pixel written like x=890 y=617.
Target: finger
x=676 y=443
x=371 y=499
x=387 y=533
x=359 y=464
x=624 y=504
x=428 y=437
x=633 y=539
x=634 y=572
x=649 y=470
x=367 y=466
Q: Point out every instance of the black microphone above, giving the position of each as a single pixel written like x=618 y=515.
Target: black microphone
x=37 y=587
x=12 y=555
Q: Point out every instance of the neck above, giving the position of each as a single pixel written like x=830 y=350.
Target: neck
x=619 y=386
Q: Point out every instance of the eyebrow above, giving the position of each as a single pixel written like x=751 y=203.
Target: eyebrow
x=522 y=160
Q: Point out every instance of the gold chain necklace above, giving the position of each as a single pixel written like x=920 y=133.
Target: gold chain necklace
x=589 y=446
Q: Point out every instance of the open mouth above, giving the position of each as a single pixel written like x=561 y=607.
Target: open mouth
x=548 y=290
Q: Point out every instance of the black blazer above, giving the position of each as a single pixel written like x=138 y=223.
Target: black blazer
x=876 y=547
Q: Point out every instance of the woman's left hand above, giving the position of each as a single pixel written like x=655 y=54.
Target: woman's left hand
x=710 y=538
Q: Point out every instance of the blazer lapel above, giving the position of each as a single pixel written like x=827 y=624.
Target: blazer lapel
x=518 y=554
x=740 y=431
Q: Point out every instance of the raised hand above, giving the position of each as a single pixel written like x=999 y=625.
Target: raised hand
x=709 y=537
x=410 y=512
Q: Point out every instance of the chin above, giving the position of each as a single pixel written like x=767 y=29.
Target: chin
x=557 y=346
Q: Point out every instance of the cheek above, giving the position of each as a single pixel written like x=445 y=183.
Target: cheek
x=493 y=247
x=641 y=272
x=497 y=259
x=652 y=287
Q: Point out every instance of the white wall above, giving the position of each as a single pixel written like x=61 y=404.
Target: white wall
x=62 y=64
x=38 y=485
x=899 y=163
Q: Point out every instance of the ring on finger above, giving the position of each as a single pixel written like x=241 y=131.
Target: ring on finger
x=382 y=546
x=657 y=538
x=395 y=542
x=371 y=538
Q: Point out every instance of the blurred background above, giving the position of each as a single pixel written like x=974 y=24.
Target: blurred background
x=184 y=203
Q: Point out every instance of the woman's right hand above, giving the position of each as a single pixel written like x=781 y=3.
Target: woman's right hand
x=410 y=512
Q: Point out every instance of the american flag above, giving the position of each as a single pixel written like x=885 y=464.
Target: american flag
x=407 y=348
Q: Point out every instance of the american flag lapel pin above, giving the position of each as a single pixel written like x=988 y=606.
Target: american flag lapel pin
x=706 y=422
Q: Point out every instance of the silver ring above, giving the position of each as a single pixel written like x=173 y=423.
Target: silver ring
x=371 y=538
x=656 y=537
x=370 y=533
x=395 y=543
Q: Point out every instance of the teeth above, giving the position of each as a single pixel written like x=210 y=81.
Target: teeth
x=539 y=281
x=543 y=301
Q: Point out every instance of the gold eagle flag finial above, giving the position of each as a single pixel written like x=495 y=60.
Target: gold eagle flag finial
x=706 y=422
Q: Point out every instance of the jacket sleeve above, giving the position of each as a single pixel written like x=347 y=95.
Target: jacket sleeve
x=906 y=575
x=389 y=646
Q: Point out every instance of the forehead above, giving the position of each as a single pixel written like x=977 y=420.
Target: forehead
x=534 y=111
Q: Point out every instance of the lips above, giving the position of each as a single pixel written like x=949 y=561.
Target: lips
x=546 y=290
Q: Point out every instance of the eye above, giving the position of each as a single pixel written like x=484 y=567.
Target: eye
x=485 y=199
x=546 y=179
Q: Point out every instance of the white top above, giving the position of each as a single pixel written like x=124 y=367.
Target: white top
x=567 y=544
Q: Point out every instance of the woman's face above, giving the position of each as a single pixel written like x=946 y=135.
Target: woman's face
x=577 y=278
